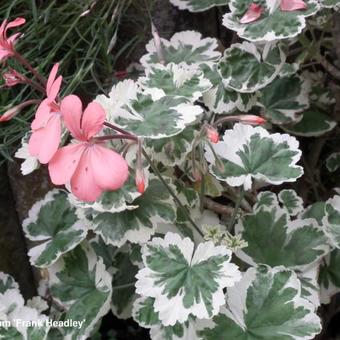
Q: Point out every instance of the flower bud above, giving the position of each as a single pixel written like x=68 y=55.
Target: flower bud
x=212 y=134
x=252 y=120
x=12 y=78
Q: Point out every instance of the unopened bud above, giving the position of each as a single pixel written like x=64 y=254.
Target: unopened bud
x=13 y=111
x=212 y=134
x=252 y=120
x=12 y=78
x=140 y=181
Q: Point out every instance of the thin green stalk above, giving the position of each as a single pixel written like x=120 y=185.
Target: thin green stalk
x=237 y=208
x=171 y=192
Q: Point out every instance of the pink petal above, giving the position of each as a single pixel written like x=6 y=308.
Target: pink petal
x=64 y=163
x=44 y=142
x=54 y=90
x=110 y=169
x=53 y=84
x=83 y=184
x=16 y=22
x=93 y=119
x=42 y=115
x=71 y=109
x=253 y=13
x=292 y=5
x=51 y=77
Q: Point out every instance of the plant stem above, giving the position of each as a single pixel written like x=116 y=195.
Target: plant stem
x=116 y=128
x=119 y=136
x=25 y=63
x=126 y=285
x=171 y=192
x=237 y=208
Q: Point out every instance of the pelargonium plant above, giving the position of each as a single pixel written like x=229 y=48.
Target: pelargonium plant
x=175 y=199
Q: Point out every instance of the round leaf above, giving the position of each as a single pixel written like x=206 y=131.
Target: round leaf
x=246 y=68
x=193 y=281
x=248 y=152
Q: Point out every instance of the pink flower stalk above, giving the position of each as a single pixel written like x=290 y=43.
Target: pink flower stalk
x=212 y=134
x=88 y=165
x=46 y=126
x=13 y=111
x=253 y=13
x=12 y=78
x=251 y=120
x=292 y=5
x=7 y=43
x=140 y=178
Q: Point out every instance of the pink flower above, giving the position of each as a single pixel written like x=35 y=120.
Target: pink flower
x=46 y=126
x=292 y=5
x=88 y=165
x=7 y=44
x=253 y=13
x=12 y=78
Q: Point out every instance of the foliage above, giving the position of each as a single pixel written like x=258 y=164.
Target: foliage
x=220 y=233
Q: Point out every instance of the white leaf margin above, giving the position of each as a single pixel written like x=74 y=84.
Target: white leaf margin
x=191 y=38
x=180 y=75
x=233 y=141
x=330 y=229
x=252 y=49
x=103 y=280
x=172 y=310
x=291 y=227
x=236 y=300
x=185 y=4
x=270 y=35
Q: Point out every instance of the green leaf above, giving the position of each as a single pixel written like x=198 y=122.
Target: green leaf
x=248 y=153
x=224 y=100
x=330 y=3
x=80 y=282
x=316 y=211
x=145 y=315
x=274 y=24
x=174 y=150
x=187 y=47
x=192 y=281
x=123 y=285
x=198 y=5
x=175 y=81
x=159 y=118
x=284 y=99
x=329 y=277
x=266 y=199
x=13 y=310
x=314 y=123
x=266 y=304
x=310 y=289
x=291 y=201
x=333 y=162
x=331 y=220
x=54 y=221
x=293 y=244
x=136 y=226
x=245 y=68
x=7 y=282
x=116 y=103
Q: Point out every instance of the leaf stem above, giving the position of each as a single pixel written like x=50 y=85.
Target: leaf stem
x=119 y=136
x=171 y=192
x=237 y=208
x=116 y=128
x=26 y=63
